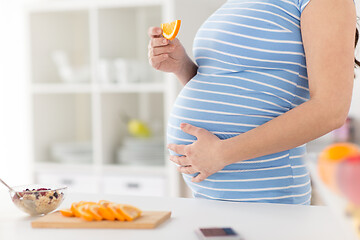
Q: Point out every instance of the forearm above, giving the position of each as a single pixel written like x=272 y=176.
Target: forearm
x=294 y=128
x=187 y=71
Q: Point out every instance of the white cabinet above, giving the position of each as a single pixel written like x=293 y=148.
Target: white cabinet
x=79 y=183
x=135 y=185
x=89 y=67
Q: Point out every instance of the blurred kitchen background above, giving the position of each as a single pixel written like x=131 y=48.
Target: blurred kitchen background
x=78 y=96
x=81 y=105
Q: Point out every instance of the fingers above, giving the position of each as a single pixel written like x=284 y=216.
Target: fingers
x=156 y=61
x=192 y=130
x=179 y=149
x=160 y=53
x=182 y=161
x=158 y=42
x=200 y=177
x=160 y=50
x=187 y=170
x=154 y=32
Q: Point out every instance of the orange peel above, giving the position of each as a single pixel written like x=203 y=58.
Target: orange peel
x=106 y=213
x=171 y=29
x=102 y=210
x=93 y=209
x=128 y=211
x=84 y=214
x=67 y=213
x=113 y=209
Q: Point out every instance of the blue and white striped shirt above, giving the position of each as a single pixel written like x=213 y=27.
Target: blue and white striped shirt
x=252 y=68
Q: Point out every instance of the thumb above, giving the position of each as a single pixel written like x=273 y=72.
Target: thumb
x=192 y=130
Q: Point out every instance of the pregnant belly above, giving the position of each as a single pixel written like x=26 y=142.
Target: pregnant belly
x=227 y=108
x=224 y=108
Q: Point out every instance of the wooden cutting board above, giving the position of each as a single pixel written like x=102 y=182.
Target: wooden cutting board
x=148 y=220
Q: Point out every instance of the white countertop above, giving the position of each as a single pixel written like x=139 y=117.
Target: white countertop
x=336 y=203
x=253 y=221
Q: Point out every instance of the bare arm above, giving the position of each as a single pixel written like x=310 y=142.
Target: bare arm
x=170 y=56
x=187 y=72
x=328 y=30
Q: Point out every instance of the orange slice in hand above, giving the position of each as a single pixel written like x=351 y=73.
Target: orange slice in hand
x=128 y=211
x=66 y=213
x=93 y=209
x=170 y=30
x=84 y=214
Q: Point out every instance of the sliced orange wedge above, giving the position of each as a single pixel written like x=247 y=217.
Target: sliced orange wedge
x=67 y=213
x=85 y=203
x=113 y=209
x=103 y=210
x=104 y=202
x=128 y=211
x=84 y=214
x=170 y=30
x=81 y=203
x=93 y=209
x=106 y=213
x=74 y=209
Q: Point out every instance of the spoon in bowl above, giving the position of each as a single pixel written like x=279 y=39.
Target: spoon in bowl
x=10 y=188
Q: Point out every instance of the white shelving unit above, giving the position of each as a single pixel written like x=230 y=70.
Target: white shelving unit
x=89 y=32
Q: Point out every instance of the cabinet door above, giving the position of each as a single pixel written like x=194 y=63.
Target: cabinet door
x=76 y=183
x=135 y=185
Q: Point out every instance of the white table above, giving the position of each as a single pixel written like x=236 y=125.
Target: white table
x=336 y=203
x=253 y=221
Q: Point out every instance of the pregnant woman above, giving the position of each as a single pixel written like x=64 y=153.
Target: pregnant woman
x=270 y=76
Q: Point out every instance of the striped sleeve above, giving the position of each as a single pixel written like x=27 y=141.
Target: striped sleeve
x=303 y=4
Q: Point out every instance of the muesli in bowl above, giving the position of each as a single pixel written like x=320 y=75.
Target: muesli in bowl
x=38 y=200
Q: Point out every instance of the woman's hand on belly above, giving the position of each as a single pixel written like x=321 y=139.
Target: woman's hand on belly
x=204 y=156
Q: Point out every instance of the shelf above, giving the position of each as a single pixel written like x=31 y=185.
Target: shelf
x=147 y=107
x=62 y=167
x=60 y=118
x=60 y=88
x=135 y=169
x=107 y=169
x=69 y=5
x=59 y=40
x=104 y=44
x=133 y=88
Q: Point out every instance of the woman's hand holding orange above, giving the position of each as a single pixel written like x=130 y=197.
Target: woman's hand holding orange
x=169 y=56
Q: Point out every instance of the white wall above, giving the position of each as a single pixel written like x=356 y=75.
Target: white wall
x=14 y=128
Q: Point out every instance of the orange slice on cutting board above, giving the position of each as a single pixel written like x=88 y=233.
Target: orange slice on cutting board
x=129 y=212
x=67 y=213
x=104 y=203
x=74 y=209
x=106 y=213
x=84 y=214
x=113 y=209
x=94 y=211
x=102 y=210
x=170 y=30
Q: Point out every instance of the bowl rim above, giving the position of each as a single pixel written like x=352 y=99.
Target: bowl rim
x=24 y=187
